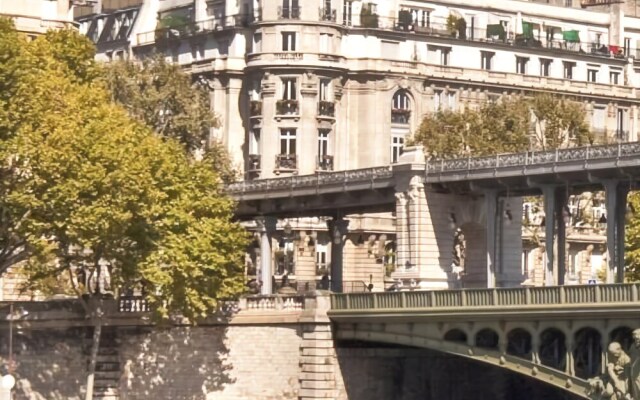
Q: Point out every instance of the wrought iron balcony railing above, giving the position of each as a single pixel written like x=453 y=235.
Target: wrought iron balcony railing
x=325 y=163
x=400 y=116
x=255 y=108
x=288 y=12
x=326 y=108
x=287 y=107
x=286 y=162
x=327 y=14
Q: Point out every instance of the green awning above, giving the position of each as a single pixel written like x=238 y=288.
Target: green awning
x=496 y=30
x=527 y=30
x=571 y=36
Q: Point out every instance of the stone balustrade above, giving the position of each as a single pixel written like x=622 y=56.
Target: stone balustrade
x=481 y=298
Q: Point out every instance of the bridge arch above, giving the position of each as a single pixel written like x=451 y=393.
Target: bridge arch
x=587 y=352
x=553 y=348
x=520 y=343
x=456 y=335
x=542 y=373
x=487 y=338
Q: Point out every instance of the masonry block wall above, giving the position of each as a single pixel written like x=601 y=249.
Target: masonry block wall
x=278 y=361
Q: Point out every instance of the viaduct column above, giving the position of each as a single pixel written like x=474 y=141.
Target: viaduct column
x=338 y=230
x=560 y=207
x=491 y=203
x=549 y=195
x=266 y=227
x=616 y=202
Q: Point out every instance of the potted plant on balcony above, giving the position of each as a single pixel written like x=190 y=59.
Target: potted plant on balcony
x=405 y=21
x=368 y=19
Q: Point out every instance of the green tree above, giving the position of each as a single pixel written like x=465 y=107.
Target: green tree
x=632 y=239
x=512 y=124
x=163 y=97
x=88 y=190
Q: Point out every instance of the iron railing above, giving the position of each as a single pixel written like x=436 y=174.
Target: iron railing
x=325 y=163
x=326 y=108
x=478 y=298
x=255 y=108
x=327 y=14
x=288 y=12
x=286 y=162
x=287 y=107
x=531 y=158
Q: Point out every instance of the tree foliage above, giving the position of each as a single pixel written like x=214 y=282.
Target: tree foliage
x=632 y=239
x=164 y=98
x=512 y=124
x=87 y=189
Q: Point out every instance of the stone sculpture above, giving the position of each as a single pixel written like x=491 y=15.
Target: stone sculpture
x=621 y=380
x=459 y=250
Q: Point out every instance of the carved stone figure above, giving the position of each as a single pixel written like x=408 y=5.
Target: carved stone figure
x=634 y=373
x=459 y=247
x=614 y=384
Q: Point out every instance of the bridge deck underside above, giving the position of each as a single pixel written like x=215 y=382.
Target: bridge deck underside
x=328 y=202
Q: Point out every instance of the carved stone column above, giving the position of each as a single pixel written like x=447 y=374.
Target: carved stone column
x=337 y=230
x=549 y=194
x=266 y=227
x=416 y=207
x=616 y=202
x=403 y=256
x=491 y=200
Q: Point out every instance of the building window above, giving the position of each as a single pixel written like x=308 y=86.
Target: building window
x=397 y=143
x=325 y=89
x=257 y=43
x=568 y=69
x=288 y=141
x=437 y=100
x=326 y=41
x=627 y=47
x=400 y=108
x=288 y=41
x=290 y=9
x=347 y=13
x=614 y=77
x=254 y=141
x=444 y=55
x=322 y=266
x=592 y=75
x=452 y=101
x=545 y=66
x=598 y=121
x=521 y=65
x=421 y=18
x=323 y=143
x=486 y=59
x=289 y=91
x=621 y=124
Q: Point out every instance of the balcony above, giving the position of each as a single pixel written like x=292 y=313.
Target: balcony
x=324 y=163
x=255 y=108
x=400 y=116
x=183 y=28
x=287 y=107
x=286 y=163
x=326 y=109
x=327 y=14
x=288 y=12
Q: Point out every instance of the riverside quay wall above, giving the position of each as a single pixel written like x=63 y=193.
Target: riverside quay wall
x=279 y=347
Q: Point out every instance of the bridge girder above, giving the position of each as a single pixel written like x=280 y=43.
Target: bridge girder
x=542 y=373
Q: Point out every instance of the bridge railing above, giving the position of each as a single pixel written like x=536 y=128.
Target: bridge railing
x=503 y=297
x=364 y=175
x=530 y=158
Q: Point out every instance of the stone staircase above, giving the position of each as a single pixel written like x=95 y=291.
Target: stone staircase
x=107 y=376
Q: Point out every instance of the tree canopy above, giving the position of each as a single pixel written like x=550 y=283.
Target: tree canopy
x=86 y=186
x=162 y=96
x=511 y=124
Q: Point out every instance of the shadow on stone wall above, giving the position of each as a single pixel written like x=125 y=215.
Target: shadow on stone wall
x=181 y=363
x=49 y=365
x=381 y=372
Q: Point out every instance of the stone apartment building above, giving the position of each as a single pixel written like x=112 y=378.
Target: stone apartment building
x=35 y=17
x=304 y=87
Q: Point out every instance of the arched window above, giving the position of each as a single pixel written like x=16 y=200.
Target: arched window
x=400 y=108
x=400 y=118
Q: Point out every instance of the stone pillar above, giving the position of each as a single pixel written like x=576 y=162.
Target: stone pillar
x=491 y=200
x=266 y=227
x=616 y=202
x=416 y=229
x=338 y=230
x=403 y=255
x=561 y=204
x=549 y=193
